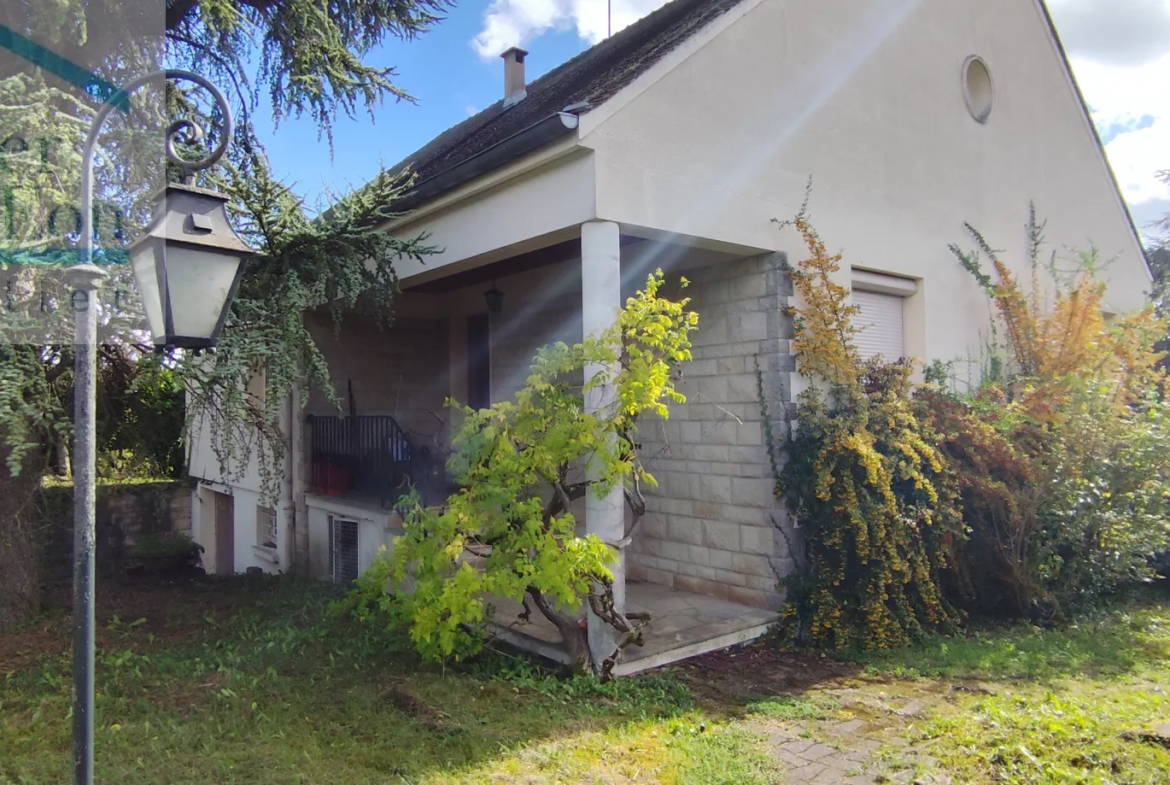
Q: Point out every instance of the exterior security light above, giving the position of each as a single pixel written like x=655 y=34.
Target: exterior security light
x=495 y=299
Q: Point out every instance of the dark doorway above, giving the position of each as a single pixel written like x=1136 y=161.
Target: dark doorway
x=479 y=362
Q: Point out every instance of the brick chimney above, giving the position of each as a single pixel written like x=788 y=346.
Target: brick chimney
x=514 y=83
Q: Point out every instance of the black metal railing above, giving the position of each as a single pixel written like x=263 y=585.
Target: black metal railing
x=367 y=456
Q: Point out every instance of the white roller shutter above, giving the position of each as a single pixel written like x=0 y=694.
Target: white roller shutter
x=880 y=327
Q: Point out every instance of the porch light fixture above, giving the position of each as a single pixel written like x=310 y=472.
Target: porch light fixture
x=188 y=266
x=495 y=299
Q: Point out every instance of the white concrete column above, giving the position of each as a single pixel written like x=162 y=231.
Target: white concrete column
x=601 y=302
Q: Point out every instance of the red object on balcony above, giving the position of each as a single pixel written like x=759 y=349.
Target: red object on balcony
x=335 y=480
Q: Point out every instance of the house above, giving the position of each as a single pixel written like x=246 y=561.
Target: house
x=674 y=144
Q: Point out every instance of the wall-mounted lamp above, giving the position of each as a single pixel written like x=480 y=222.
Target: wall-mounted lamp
x=494 y=298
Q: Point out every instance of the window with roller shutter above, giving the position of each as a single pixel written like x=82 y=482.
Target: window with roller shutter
x=881 y=324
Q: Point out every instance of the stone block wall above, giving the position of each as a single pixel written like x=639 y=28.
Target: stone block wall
x=712 y=524
x=124 y=512
x=541 y=307
x=400 y=370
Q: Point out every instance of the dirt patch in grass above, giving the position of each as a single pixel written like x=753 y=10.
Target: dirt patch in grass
x=725 y=679
x=144 y=613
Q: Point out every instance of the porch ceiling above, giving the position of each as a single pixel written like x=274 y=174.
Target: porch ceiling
x=521 y=263
x=642 y=252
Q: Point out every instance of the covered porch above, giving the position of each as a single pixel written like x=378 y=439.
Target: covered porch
x=681 y=625
x=703 y=562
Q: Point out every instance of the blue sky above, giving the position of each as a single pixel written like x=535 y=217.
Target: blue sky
x=442 y=71
x=1120 y=50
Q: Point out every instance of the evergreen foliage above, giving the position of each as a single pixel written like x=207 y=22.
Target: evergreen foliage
x=305 y=57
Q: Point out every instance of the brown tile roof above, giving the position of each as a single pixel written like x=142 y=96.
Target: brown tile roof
x=593 y=76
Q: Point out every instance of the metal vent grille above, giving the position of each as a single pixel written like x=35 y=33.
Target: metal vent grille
x=343 y=549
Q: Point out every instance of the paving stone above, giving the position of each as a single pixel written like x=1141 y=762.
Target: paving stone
x=817 y=751
x=912 y=709
x=797 y=747
x=792 y=760
x=848 y=728
x=829 y=776
x=807 y=773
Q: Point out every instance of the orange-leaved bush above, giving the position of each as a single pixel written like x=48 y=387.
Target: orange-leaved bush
x=1060 y=451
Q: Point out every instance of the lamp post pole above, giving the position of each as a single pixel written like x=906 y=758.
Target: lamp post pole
x=86 y=278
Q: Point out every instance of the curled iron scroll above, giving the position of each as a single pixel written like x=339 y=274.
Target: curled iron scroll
x=191 y=132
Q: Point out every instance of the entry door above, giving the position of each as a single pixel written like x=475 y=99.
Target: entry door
x=225 y=534
x=479 y=362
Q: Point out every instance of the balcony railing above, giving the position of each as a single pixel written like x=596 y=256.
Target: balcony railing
x=362 y=456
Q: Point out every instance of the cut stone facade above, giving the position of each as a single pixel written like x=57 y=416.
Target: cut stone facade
x=713 y=524
x=399 y=370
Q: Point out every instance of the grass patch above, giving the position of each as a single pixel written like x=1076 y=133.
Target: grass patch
x=791 y=709
x=1111 y=642
x=253 y=681
x=1065 y=705
x=271 y=689
x=1077 y=734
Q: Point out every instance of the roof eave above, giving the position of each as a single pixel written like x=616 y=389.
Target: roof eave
x=504 y=152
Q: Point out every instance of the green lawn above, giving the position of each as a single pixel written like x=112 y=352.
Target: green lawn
x=249 y=681
x=1069 y=705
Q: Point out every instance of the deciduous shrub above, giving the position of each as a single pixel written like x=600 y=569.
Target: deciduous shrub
x=1044 y=487
x=521 y=465
x=1062 y=455
x=865 y=478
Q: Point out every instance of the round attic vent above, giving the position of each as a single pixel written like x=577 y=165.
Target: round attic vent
x=978 y=88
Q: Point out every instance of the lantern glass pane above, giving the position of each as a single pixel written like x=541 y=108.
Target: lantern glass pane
x=144 y=263
x=199 y=283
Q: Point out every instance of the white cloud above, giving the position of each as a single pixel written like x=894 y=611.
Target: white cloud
x=1118 y=94
x=1119 y=32
x=509 y=23
x=1120 y=52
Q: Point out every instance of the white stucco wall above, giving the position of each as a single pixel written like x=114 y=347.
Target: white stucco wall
x=203 y=464
x=500 y=222
x=246 y=555
x=376 y=528
x=866 y=96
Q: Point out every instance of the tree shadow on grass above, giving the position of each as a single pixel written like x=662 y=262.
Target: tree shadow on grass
x=1106 y=643
x=252 y=680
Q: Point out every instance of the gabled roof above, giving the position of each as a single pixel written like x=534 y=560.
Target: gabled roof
x=591 y=77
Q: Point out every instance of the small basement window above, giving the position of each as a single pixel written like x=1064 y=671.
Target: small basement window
x=978 y=89
x=266 y=527
x=343 y=549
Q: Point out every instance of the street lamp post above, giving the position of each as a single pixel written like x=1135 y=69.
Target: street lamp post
x=203 y=240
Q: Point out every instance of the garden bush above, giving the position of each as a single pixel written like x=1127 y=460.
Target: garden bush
x=521 y=465
x=1042 y=488
x=866 y=479
x=1072 y=429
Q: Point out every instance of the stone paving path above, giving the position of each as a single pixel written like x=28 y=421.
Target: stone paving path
x=861 y=742
x=849 y=752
